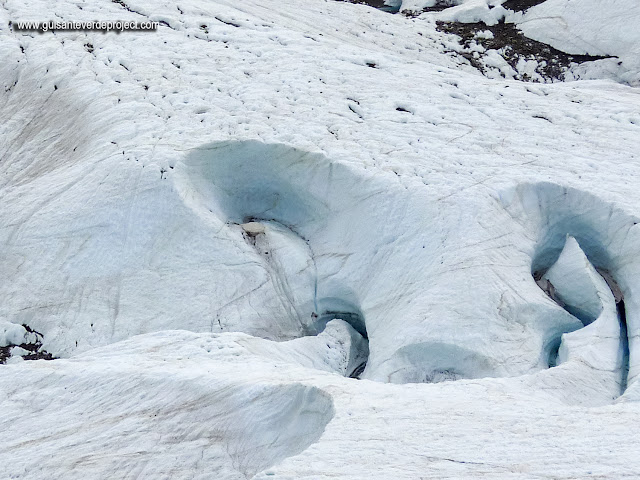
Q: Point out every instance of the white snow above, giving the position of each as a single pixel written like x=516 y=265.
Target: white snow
x=12 y=334
x=214 y=224
x=471 y=11
x=18 y=352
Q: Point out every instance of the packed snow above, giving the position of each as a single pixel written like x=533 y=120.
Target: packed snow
x=310 y=239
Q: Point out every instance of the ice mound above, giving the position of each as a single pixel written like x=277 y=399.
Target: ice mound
x=156 y=404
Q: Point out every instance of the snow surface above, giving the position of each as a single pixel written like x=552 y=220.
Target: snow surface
x=214 y=224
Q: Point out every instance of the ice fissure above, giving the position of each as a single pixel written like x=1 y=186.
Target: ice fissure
x=624 y=346
x=21 y=342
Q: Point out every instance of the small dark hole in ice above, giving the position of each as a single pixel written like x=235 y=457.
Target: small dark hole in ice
x=553 y=353
x=358 y=371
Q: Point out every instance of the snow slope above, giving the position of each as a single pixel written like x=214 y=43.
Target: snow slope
x=185 y=211
x=183 y=406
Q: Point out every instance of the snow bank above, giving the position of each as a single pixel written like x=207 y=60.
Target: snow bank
x=150 y=406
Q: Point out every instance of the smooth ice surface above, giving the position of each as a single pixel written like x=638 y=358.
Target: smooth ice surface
x=577 y=284
x=213 y=225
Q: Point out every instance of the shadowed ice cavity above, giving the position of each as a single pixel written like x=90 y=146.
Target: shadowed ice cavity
x=303 y=220
x=585 y=257
x=334 y=241
x=438 y=362
x=438 y=284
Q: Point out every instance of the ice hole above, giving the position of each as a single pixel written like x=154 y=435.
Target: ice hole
x=553 y=349
x=331 y=308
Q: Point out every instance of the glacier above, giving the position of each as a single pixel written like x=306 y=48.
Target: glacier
x=310 y=239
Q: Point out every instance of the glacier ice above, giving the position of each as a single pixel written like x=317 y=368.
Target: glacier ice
x=282 y=239
x=156 y=403
x=602 y=344
x=605 y=234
